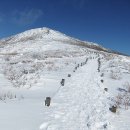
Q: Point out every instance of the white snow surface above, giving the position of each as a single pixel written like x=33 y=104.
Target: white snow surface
x=31 y=70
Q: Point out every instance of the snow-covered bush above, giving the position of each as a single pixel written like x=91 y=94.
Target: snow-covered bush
x=112 y=64
x=115 y=74
x=38 y=66
x=122 y=99
x=126 y=99
x=119 y=98
x=36 y=56
x=23 y=69
x=7 y=95
x=12 y=72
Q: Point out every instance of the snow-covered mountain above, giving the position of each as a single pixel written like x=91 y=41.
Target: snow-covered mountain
x=49 y=34
x=32 y=65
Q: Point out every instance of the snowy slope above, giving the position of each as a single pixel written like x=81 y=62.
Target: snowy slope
x=79 y=105
x=49 y=35
x=32 y=65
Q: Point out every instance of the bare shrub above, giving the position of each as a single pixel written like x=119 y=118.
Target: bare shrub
x=119 y=98
x=126 y=99
x=122 y=99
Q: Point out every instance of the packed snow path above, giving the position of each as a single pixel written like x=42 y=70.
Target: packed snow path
x=79 y=105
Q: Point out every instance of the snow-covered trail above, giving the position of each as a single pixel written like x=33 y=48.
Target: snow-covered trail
x=79 y=105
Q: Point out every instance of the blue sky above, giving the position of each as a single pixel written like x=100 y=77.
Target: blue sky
x=106 y=22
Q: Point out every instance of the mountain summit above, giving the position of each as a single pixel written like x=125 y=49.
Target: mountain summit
x=50 y=35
